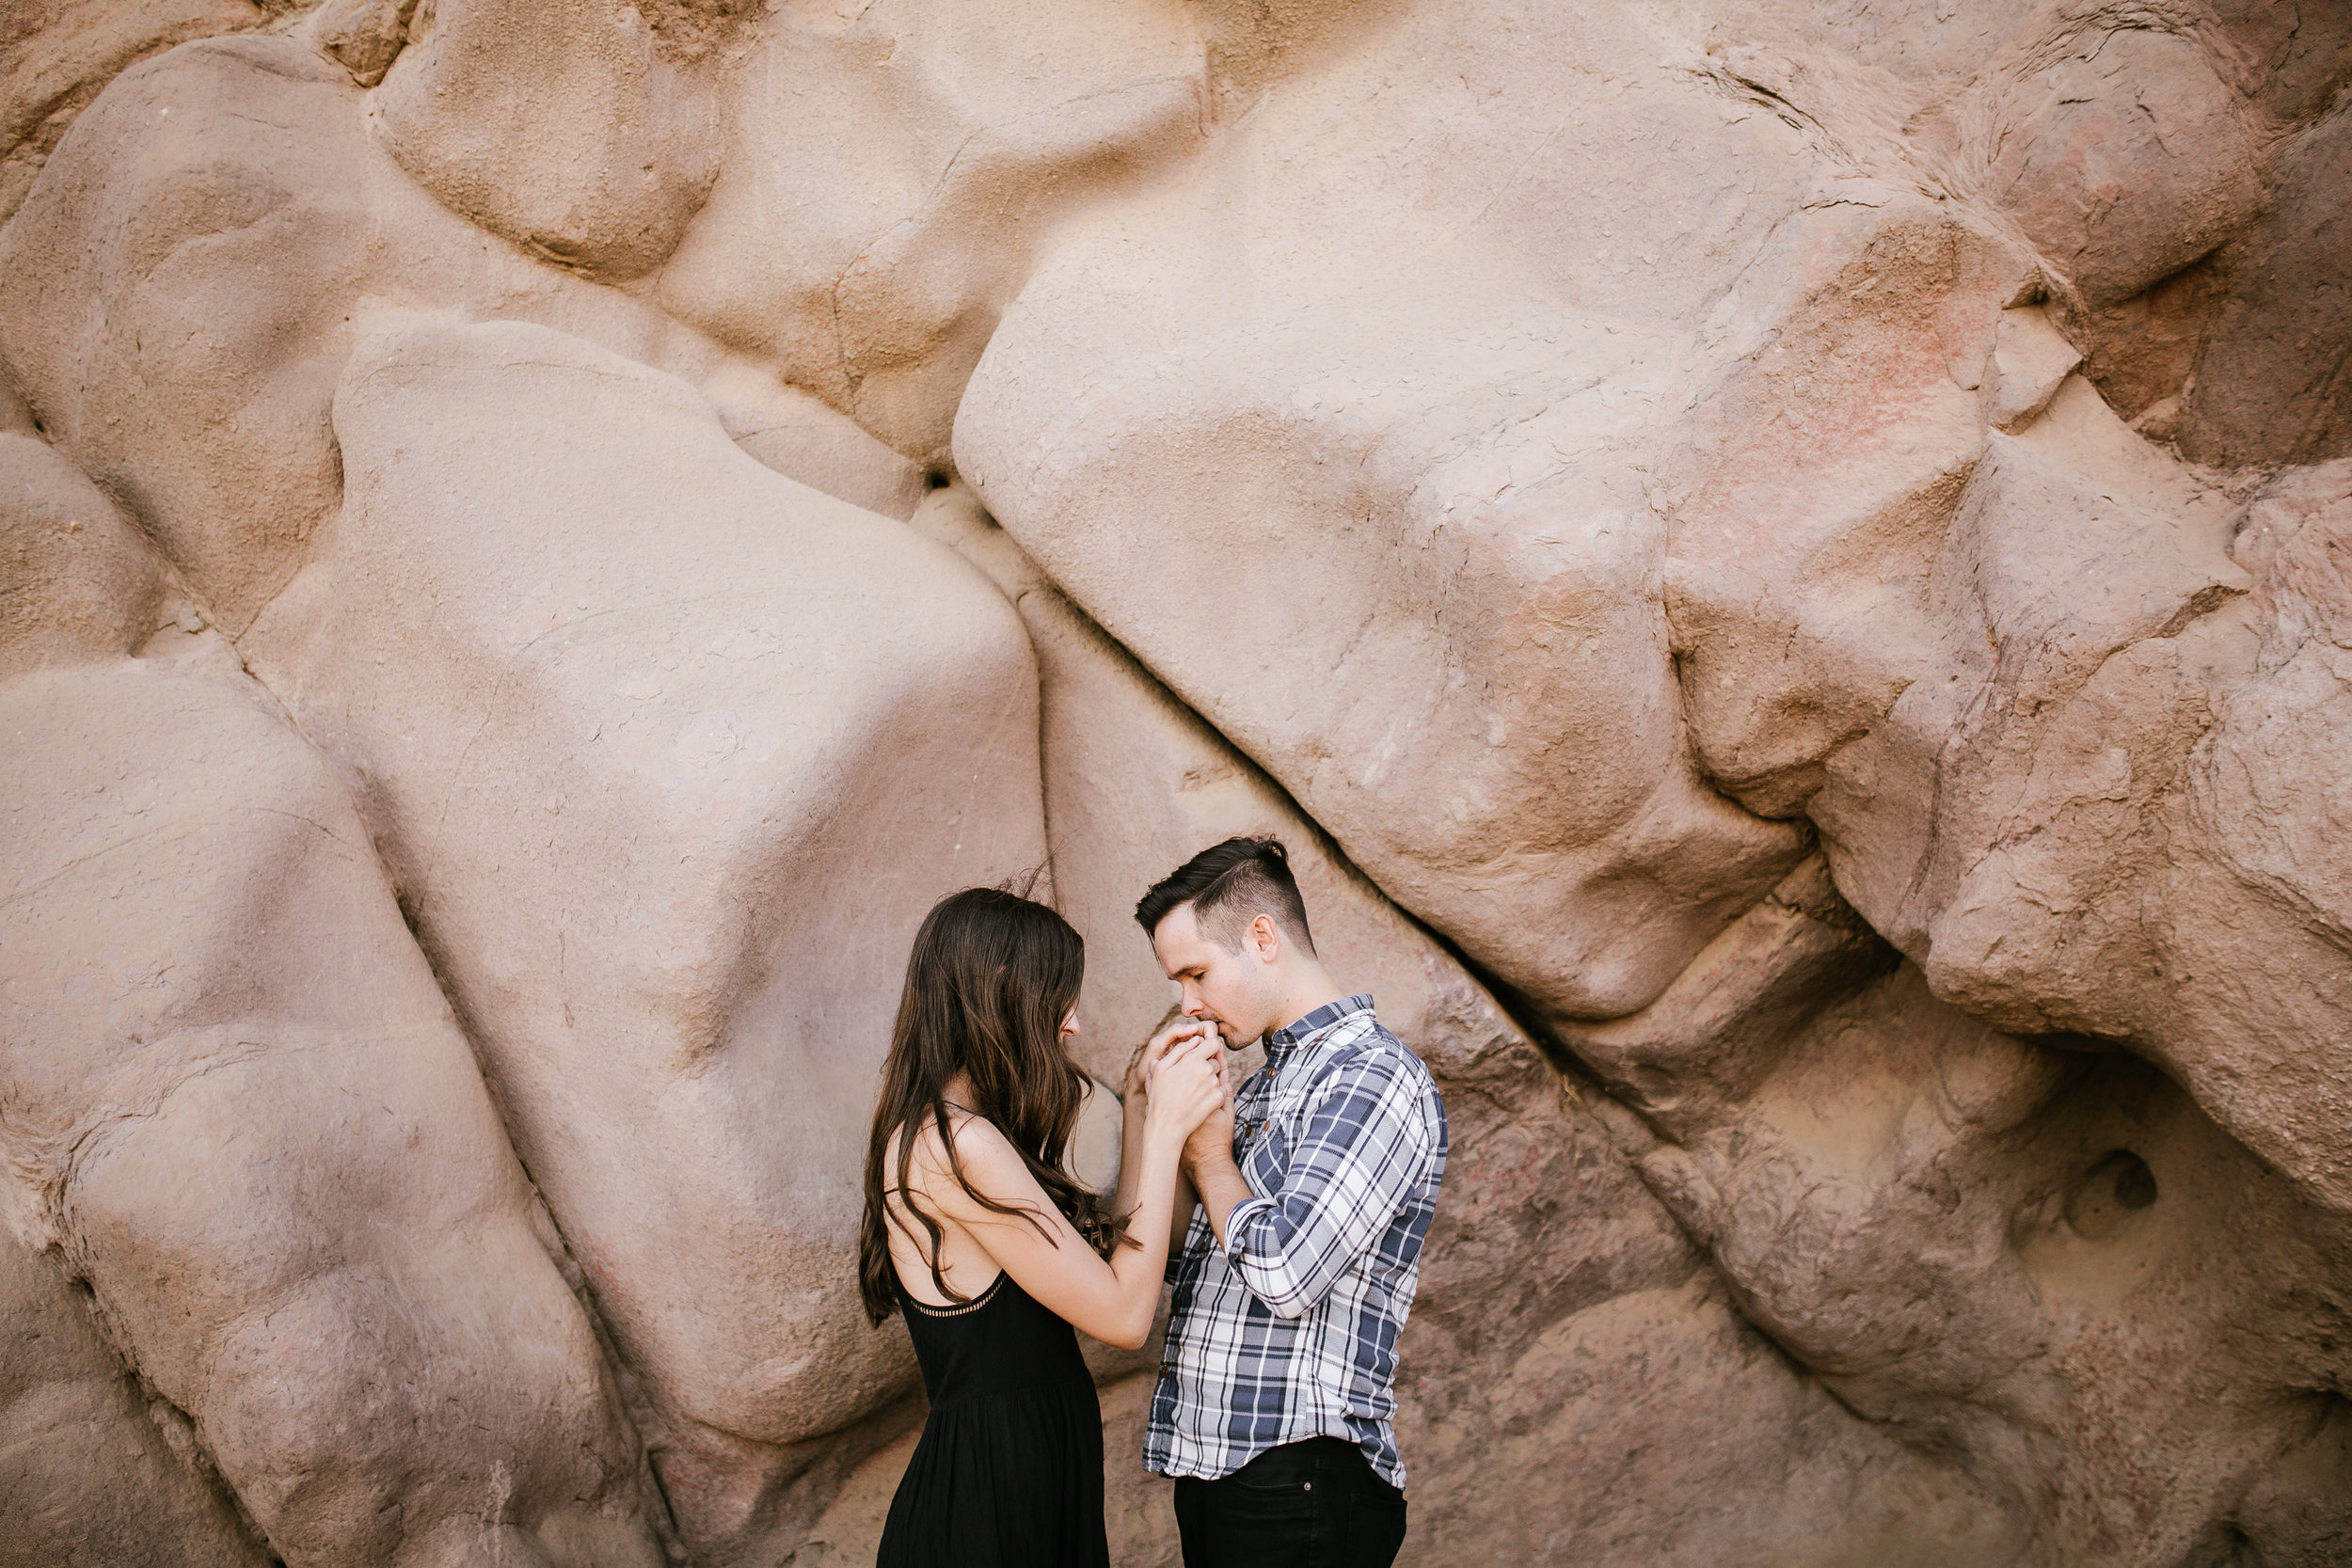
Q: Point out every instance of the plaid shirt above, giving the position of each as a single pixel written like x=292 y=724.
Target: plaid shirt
x=1290 y=1331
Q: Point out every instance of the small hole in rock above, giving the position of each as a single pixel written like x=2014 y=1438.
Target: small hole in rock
x=2110 y=1192
x=2135 y=1183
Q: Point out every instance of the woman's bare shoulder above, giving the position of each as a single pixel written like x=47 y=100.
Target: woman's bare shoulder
x=981 y=1147
x=991 y=1167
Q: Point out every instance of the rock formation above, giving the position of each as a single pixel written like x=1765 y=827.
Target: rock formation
x=1786 y=570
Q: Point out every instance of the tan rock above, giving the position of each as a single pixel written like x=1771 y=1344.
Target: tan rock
x=2030 y=359
x=1548 y=1265
x=56 y=56
x=888 y=170
x=2123 y=159
x=90 y=1471
x=2270 y=380
x=135 y=330
x=1815 y=483
x=1838 y=500
x=364 y=36
x=557 y=125
x=1556 y=466
x=1987 y=1245
x=1341 y=468
x=1136 y=784
x=801 y=437
x=1990 y=1246
x=79 y=583
x=660 y=695
x=2078 y=872
x=133 y=268
x=242 y=1109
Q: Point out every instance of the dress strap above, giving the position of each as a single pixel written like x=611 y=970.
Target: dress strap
x=972 y=1305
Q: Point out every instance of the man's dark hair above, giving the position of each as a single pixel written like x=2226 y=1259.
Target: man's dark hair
x=1229 y=885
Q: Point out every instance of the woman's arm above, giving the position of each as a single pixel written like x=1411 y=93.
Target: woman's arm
x=1130 y=1138
x=1114 y=1301
x=1136 y=1095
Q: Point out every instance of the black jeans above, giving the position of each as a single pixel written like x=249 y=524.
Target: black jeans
x=1316 y=1504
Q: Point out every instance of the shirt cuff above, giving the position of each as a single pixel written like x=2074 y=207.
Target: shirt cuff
x=1239 y=1216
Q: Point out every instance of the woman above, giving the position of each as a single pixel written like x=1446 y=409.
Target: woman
x=994 y=1252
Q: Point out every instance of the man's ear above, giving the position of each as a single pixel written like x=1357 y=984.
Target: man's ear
x=1265 y=937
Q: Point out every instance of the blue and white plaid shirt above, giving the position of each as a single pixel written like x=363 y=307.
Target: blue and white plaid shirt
x=1290 y=1331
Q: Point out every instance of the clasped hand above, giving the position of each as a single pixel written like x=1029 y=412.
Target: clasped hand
x=1181 y=1075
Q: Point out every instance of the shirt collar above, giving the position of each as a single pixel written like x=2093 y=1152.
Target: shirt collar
x=1279 y=1043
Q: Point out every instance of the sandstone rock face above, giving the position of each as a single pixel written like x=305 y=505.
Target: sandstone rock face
x=56 y=54
x=87 y=1474
x=686 y=677
x=863 y=147
x=221 y=1044
x=1784 y=570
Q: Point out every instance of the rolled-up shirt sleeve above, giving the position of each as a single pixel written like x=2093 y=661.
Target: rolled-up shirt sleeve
x=1364 y=1151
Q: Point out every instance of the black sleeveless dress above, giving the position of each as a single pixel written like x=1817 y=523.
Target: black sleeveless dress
x=1009 y=1471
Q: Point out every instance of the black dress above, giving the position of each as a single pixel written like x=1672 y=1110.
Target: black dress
x=1008 y=1472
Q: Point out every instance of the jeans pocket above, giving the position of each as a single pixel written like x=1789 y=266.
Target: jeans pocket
x=1273 y=1490
x=1263 y=1525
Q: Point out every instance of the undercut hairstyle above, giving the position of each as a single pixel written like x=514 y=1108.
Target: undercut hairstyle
x=1229 y=885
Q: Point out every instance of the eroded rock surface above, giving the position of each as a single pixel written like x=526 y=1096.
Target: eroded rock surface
x=1783 y=569
x=91 y=1469
x=221 y=1046
x=678 y=675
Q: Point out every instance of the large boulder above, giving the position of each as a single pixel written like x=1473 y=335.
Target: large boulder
x=1431 y=467
x=1707 y=475
x=668 y=755
x=183 y=282
x=241 y=1113
x=888 y=173
x=243 y=1110
x=2043 y=1265
x=565 y=128
x=79 y=581
x=57 y=56
x=2269 y=383
x=2121 y=701
x=1561 y=1311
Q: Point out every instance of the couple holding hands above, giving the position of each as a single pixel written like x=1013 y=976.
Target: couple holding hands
x=1288 y=1212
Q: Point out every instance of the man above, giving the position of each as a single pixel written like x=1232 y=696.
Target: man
x=1301 y=1235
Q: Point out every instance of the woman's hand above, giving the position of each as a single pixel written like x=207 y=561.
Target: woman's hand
x=1138 y=1086
x=1139 y=1145
x=1184 y=1085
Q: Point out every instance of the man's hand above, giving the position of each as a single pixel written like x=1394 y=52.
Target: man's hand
x=1209 y=1168
x=1136 y=1093
x=1212 y=1142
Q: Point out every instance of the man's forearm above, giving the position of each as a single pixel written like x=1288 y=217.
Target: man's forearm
x=1221 y=1188
x=1179 y=1218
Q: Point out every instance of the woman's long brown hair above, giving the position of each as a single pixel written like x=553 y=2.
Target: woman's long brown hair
x=992 y=976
